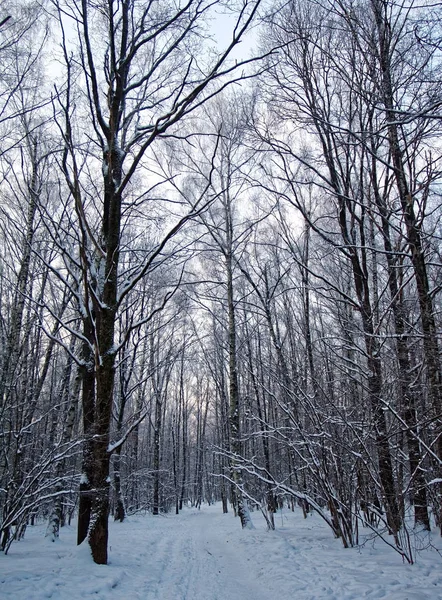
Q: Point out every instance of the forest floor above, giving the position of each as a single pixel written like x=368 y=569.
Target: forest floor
x=204 y=555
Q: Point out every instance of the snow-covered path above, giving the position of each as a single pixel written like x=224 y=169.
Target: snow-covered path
x=194 y=558
x=204 y=555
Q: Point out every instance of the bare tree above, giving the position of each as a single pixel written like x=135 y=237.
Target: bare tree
x=128 y=110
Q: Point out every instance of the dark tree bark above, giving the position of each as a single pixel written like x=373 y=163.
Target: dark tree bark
x=414 y=239
x=406 y=379
x=124 y=121
x=234 y=393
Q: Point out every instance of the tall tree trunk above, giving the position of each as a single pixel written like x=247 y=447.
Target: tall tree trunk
x=412 y=225
x=374 y=368
x=156 y=453
x=184 y=440
x=406 y=379
x=234 y=398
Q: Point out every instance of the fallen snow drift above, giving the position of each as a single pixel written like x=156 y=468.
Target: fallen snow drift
x=204 y=555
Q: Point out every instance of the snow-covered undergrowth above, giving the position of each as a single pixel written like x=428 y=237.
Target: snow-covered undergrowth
x=204 y=555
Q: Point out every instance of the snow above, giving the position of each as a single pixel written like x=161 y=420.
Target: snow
x=204 y=555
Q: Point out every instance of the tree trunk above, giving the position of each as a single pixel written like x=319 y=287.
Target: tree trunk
x=156 y=454
x=374 y=374
x=414 y=238
x=234 y=404
x=406 y=380
x=87 y=374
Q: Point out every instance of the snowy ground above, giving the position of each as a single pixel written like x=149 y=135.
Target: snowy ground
x=204 y=555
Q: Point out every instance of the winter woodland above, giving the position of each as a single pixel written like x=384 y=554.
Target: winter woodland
x=221 y=265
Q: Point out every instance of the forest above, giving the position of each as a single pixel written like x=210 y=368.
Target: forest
x=221 y=263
